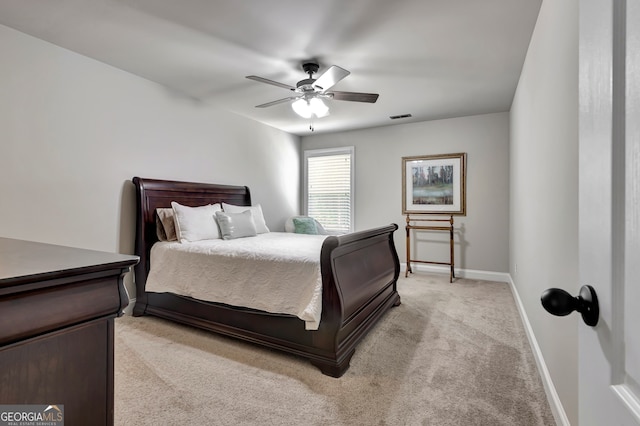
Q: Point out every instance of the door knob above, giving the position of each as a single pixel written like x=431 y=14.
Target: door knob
x=560 y=303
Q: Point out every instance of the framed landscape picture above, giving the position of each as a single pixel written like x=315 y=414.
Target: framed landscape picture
x=434 y=184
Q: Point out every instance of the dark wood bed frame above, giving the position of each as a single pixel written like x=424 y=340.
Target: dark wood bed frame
x=359 y=275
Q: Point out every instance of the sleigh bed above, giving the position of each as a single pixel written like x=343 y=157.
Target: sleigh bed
x=358 y=273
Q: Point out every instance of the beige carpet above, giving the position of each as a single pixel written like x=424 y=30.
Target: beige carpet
x=451 y=354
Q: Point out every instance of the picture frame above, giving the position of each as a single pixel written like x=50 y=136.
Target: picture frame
x=434 y=184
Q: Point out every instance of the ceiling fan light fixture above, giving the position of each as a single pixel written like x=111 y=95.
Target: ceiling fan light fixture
x=310 y=92
x=307 y=108
x=319 y=108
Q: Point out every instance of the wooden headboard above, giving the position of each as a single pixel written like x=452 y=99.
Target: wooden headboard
x=153 y=193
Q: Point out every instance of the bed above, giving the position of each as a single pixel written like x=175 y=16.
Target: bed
x=359 y=272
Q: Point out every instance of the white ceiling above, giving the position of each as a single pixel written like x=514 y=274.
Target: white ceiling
x=429 y=58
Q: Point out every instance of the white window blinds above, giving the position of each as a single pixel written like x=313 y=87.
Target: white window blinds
x=329 y=192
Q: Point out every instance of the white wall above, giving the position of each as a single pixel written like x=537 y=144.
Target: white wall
x=482 y=236
x=544 y=189
x=74 y=132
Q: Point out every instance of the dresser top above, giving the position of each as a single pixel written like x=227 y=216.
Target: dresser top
x=22 y=261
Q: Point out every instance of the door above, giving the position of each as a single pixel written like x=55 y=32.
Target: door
x=609 y=217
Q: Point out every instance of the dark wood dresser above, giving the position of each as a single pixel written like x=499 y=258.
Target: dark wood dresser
x=57 y=310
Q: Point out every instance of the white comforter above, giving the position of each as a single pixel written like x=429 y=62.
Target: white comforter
x=275 y=272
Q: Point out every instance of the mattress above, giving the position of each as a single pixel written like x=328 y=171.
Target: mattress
x=275 y=272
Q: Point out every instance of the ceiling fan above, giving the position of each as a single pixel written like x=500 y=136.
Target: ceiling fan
x=310 y=91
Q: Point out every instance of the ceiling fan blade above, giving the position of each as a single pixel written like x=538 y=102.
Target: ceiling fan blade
x=355 y=96
x=266 y=80
x=279 y=101
x=330 y=77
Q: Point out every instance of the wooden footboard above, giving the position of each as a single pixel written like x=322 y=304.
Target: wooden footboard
x=359 y=275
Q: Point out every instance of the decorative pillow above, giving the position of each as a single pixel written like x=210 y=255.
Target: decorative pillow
x=166 y=225
x=162 y=236
x=236 y=225
x=305 y=225
x=256 y=212
x=196 y=223
x=290 y=227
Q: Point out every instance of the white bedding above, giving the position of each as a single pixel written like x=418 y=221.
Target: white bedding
x=275 y=272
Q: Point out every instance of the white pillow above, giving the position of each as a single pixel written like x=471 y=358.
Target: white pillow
x=256 y=212
x=236 y=225
x=196 y=223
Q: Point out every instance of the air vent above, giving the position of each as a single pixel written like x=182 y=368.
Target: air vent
x=395 y=117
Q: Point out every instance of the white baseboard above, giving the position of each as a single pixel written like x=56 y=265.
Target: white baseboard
x=552 y=396
x=473 y=274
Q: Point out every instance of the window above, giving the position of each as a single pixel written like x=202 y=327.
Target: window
x=329 y=188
